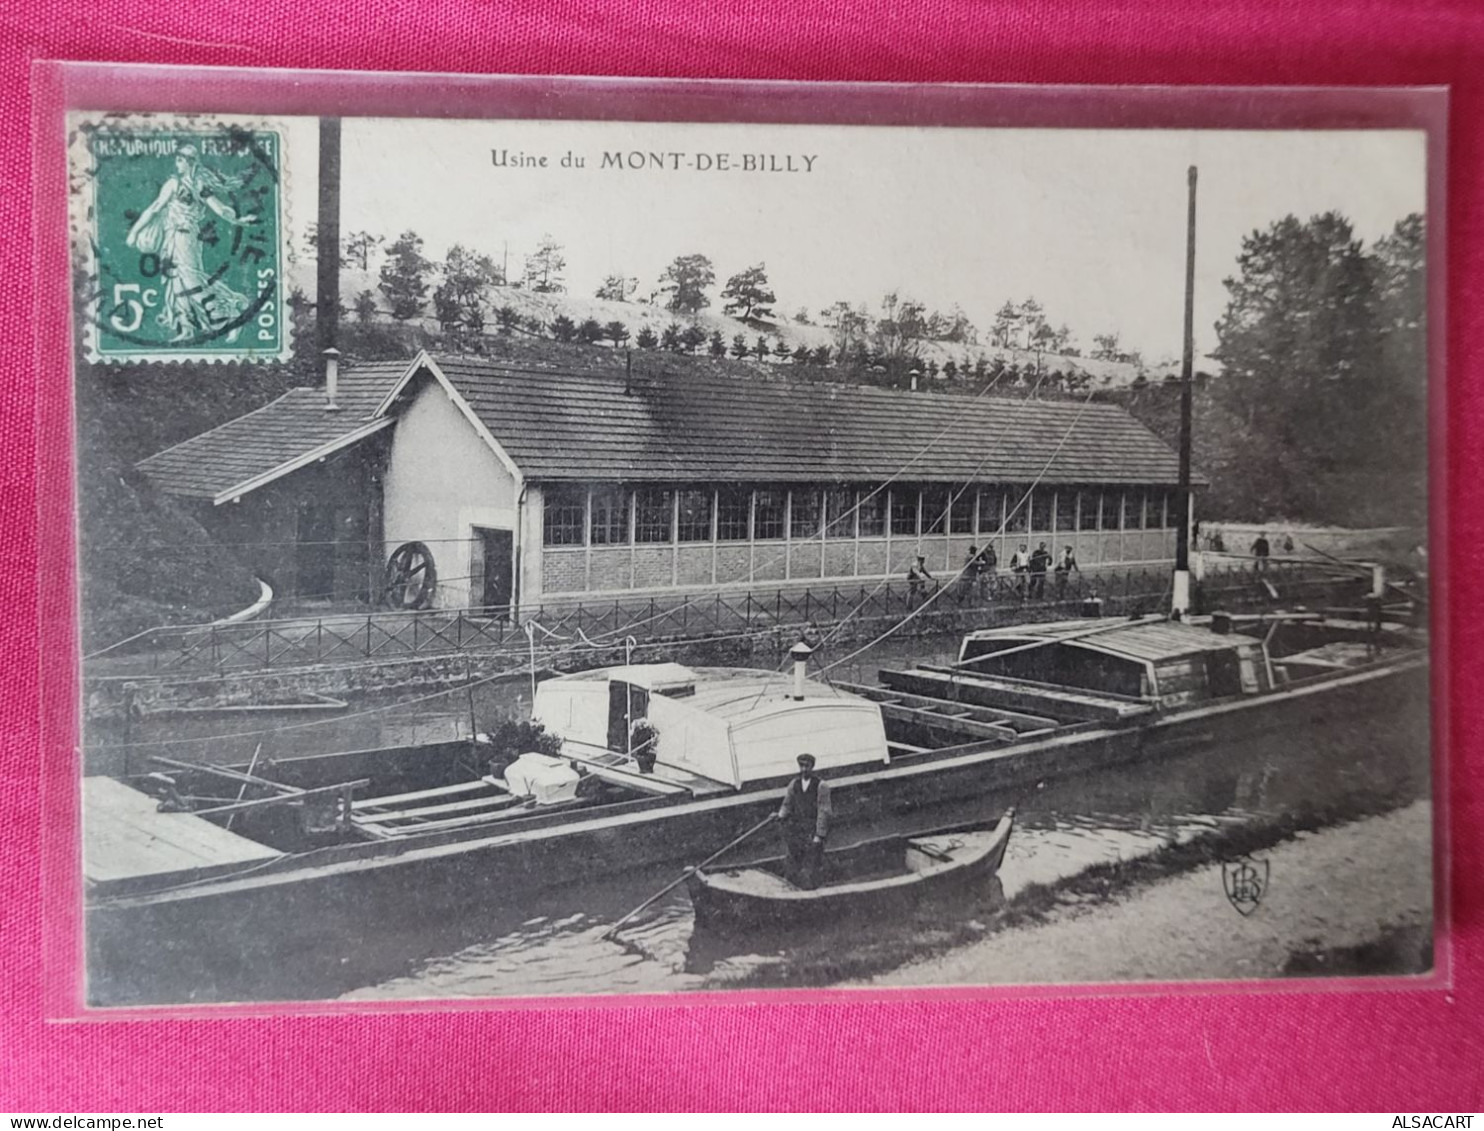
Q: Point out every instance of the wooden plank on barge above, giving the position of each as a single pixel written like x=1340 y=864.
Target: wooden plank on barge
x=1000 y=691
x=392 y=800
x=957 y=724
x=126 y=836
x=473 y=804
x=1018 y=720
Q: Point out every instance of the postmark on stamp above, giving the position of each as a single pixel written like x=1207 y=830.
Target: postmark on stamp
x=179 y=228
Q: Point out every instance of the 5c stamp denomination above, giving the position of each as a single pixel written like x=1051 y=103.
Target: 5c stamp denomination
x=181 y=228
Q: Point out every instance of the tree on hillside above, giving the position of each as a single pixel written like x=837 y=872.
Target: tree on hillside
x=740 y=348
x=507 y=318
x=781 y=350
x=1317 y=420
x=545 y=266
x=951 y=327
x=365 y=307
x=646 y=339
x=900 y=329
x=617 y=288
x=1032 y=316
x=761 y=348
x=590 y=331
x=801 y=316
x=717 y=346
x=748 y=295
x=358 y=248
x=848 y=324
x=1006 y=319
x=563 y=329
x=1401 y=258
x=616 y=332
x=686 y=280
x=802 y=355
x=1105 y=346
x=670 y=337
x=820 y=356
x=460 y=298
x=446 y=308
x=404 y=276
x=692 y=338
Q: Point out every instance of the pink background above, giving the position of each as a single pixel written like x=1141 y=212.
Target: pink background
x=1390 y=1049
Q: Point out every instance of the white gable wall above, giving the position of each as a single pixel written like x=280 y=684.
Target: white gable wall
x=442 y=480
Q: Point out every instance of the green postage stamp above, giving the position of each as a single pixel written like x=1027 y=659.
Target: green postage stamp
x=179 y=231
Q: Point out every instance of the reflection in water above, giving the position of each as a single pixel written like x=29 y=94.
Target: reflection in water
x=474 y=938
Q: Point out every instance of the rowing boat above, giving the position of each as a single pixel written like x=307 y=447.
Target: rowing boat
x=885 y=874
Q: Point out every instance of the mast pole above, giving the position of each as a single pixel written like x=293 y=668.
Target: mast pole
x=1181 y=604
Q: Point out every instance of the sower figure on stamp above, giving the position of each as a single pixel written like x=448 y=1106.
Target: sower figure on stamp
x=805 y=816
x=196 y=302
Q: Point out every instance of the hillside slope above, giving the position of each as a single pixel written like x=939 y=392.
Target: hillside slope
x=638 y=315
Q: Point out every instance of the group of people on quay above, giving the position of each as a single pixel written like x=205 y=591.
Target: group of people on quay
x=1028 y=567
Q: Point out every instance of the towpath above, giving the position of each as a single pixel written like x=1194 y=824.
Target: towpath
x=1363 y=885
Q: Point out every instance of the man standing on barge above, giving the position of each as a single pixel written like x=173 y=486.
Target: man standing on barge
x=805 y=816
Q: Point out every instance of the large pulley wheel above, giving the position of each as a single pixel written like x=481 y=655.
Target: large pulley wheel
x=411 y=577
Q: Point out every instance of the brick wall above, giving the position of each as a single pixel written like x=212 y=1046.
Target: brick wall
x=839 y=559
x=610 y=568
x=769 y=561
x=694 y=567
x=563 y=571
x=654 y=567
x=803 y=560
x=871 y=561
x=733 y=563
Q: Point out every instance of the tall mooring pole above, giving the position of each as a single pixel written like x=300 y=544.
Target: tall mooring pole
x=1181 y=605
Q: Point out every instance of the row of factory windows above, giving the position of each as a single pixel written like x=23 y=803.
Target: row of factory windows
x=619 y=515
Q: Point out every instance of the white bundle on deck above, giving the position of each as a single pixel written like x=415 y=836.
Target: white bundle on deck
x=543 y=777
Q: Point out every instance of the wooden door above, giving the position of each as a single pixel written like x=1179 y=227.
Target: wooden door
x=495 y=576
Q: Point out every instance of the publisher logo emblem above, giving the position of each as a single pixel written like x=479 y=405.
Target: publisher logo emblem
x=1246 y=882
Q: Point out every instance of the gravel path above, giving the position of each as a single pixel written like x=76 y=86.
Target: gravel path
x=1337 y=888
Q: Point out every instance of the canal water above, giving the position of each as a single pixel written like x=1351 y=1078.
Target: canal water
x=485 y=943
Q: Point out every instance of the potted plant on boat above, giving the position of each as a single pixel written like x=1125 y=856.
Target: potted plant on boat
x=643 y=745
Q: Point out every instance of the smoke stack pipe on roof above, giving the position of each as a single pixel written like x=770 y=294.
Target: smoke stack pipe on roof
x=801 y=653
x=332 y=378
x=916 y=376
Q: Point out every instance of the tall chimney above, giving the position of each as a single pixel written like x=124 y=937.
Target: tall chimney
x=332 y=378
x=800 y=653
x=916 y=376
x=327 y=282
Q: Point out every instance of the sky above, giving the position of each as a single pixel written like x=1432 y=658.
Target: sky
x=1091 y=223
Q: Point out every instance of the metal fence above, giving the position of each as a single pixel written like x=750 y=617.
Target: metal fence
x=1001 y=598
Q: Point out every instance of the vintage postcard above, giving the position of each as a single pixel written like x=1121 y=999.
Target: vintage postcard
x=528 y=558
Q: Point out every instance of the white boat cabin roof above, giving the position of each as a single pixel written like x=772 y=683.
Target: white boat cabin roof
x=726 y=693
x=731 y=726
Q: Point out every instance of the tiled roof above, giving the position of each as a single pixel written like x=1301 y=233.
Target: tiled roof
x=559 y=425
x=256 y=445
x=686 y=426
